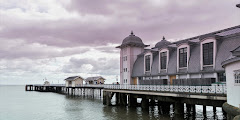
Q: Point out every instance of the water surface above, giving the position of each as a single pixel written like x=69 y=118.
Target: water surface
x=18 y=104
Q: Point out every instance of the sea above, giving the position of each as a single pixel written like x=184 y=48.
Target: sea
x=18 y=104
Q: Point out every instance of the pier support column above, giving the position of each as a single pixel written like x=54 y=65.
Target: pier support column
x=194 y=110
x=145 y=103
x=108 y=98
x=123 y=99
x=117 y=98
x=152 y=102
x=188 y=106
x=204 y=110
x=104 y=98
x=165 y=107
x=132 y=101
x=179 y=108
x=179 y=111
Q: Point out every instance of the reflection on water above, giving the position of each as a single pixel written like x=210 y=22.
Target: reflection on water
x=16 y=104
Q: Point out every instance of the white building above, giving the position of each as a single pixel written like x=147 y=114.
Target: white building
x=192 y=61
x=74 y=81
x=131 y=47
x=232 y=68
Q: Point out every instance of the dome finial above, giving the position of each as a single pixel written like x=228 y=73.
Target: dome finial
x=163 y=38
x=132 y=33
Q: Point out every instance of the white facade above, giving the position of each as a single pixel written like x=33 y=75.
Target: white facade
x=233 y=89
x=128 y=56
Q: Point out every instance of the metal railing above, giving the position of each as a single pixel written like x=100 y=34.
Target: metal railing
x=222 y=89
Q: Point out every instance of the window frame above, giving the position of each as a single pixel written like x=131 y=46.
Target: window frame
x=167 y=60
x=161 y=62
x=151 y=59
x=236 y=76
x=204 y=41
x=187 y=46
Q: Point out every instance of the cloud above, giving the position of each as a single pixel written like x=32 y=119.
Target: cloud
x=105 y=22
x=69 y=37
x=101 y=66
x=15 y=49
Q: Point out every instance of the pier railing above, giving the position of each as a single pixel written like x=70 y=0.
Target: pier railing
x=215 y=89
x=222 y=89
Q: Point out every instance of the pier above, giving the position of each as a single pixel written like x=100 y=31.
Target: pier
x=163 y=96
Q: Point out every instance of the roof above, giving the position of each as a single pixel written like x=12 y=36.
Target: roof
x=234 y=59
x=236 y=52
x=73 y=78
x=162 y=43
x=94 y=78
x=223 y=33
x=132 y=40
x=228 y=42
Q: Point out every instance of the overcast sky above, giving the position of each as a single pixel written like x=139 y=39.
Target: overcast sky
x=54 y=39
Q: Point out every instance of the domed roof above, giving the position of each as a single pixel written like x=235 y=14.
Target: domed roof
x=162 y=43
x=133 y=39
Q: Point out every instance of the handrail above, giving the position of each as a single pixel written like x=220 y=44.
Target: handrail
x=222 y=89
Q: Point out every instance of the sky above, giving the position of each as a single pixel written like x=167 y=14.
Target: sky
x=55 y=39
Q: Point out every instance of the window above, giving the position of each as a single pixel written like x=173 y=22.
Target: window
x=125 y=58
x=237 y=77
x=163 y=58
x=221 y=77
x=183 y=57
x=124 y=69
x=207 y=53
x=147 y=63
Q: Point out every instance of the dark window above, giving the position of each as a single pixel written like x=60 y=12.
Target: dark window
x=208 y=53
x=165 y=81
x=163 y=58
x=147 y=63
x=183 y=57
x=222 y=77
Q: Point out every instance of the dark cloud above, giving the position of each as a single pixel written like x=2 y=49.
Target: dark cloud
x=101 y=66
x=112 y=21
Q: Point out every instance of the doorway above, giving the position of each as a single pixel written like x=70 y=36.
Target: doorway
x=171 y=79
